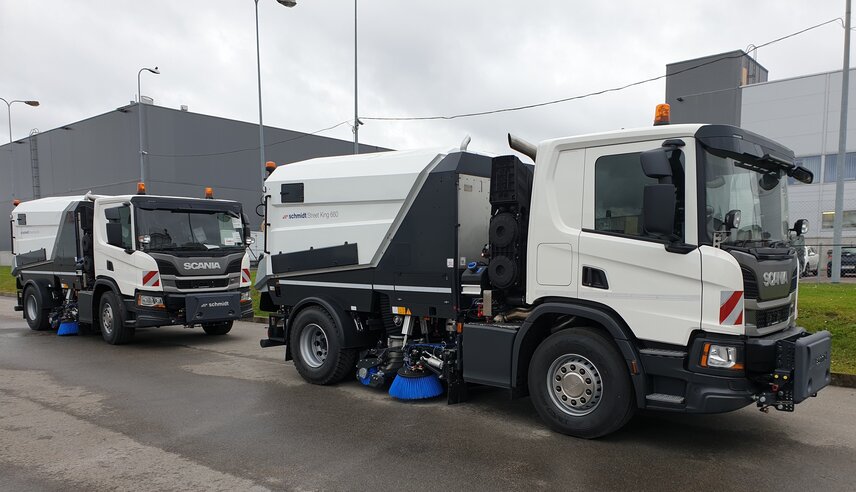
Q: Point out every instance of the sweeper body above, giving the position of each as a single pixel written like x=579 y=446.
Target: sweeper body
x=119 y=263
x=637 y=269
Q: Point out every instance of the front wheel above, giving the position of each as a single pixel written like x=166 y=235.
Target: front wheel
x=111 y=320
x=580 y=385
x=216 y=329
x=316 y=346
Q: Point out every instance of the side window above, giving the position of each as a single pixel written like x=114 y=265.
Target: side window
x=618 y=186
x=119 y=227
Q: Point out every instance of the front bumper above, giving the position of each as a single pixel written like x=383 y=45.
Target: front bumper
x=779 y=371
x=188 y=309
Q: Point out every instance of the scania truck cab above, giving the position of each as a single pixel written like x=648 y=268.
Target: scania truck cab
x=118 y=263
x=649 y=268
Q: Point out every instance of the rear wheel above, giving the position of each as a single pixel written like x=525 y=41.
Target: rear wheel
x=111 y=319
x=215 y=329
x=580 y=385
x=34 y=310
x=316 y=345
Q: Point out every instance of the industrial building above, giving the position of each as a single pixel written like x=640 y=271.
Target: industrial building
x=800 y=112
x=185 y=152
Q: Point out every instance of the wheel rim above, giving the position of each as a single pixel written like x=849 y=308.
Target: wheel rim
x=574 y=384
x=107 y=319
x=32 y=308
x=313 y=345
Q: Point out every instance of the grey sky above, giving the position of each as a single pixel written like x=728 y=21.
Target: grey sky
x=80 y=59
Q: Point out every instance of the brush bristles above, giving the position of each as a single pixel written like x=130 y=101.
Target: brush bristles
x=415 y=388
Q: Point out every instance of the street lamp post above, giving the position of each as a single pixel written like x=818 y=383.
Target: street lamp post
x=357 y=122
x=9 y=115
x=140 y=120
x=284 y=3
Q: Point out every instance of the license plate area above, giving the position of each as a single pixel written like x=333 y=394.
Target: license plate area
x=812 y=365
x=212 y=307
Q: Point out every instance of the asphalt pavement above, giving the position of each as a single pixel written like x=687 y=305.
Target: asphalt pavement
x=178 y=410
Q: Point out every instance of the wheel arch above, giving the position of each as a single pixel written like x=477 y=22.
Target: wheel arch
x=568 y=313
x=351 y=337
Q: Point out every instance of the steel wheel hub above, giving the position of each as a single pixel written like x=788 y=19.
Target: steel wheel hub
x=574 y=384
x=107 y=319
x=31 y=307
x=313 y=345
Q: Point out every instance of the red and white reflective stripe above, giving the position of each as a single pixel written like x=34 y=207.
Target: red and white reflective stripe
x=731 y=307
x=245 y=275
x=151 y=279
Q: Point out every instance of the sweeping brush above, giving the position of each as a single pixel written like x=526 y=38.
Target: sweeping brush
x=415 y=385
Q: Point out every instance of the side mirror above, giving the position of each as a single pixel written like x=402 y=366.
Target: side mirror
x=801 y=227
x=658 y=209
x=114 y=233
x=802 y=175
x=112 y=213
x=732 y=220
x=655 y=163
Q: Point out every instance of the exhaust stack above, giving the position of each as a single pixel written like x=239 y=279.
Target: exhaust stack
x=522 y=146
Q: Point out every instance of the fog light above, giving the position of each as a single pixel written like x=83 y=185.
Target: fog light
x=246 y=297
x=720 y=357
x=150 y=301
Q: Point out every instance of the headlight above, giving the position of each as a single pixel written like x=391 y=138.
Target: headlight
x=720 y=357
x=246 y=297
x=150 y=301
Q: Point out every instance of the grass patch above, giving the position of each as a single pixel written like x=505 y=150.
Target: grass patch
x=821 y=307
x=7 y=281
x=832 y=307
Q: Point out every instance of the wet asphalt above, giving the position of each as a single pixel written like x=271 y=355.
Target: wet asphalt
x=178 y=410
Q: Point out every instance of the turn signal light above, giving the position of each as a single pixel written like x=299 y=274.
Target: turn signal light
x=141 y=188
x=209 y=192
x=662 y=114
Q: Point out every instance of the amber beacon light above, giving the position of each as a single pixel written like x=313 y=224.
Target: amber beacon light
x=141 y=188
x=662 y=114
x=209 y=192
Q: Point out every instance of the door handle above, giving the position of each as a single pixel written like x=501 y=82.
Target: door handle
x=110 y=265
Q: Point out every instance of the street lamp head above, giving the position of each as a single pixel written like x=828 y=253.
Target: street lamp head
x=31 y=103
x=154 y=70
x=287 y=3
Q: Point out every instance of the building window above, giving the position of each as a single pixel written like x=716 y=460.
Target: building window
x=812 y=163
x=618 y=187
x=830 y=167
x=849 y=221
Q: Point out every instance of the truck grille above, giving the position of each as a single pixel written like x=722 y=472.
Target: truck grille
x=202 y=283
x=167 y=268
x=750 y=283
x=770 y=317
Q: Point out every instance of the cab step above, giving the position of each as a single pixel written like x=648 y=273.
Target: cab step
x=664 y=398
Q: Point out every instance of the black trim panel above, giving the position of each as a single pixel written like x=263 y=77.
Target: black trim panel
x=312 y=259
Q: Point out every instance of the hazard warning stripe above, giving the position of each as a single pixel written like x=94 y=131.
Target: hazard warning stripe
x=731 y=308
x=245 y=275
x=151 y=279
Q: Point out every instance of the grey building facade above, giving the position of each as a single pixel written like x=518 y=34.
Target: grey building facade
x=186 y=153
x=707 y=89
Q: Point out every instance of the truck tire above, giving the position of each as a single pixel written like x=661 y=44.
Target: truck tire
x=580 y=385
x=111 y=320
x=215 y=329
x=34 y=311
x=316 y=346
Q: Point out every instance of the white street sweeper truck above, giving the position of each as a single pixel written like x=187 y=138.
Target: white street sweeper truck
x=637 y=269
x=118 y=263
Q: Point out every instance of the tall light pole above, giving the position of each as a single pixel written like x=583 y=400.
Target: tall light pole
x=357 y=121
x=842 y=154
x=284 y=3
x=140 y=119
x=9 y=115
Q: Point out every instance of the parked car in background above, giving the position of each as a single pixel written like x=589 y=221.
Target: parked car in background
x=848 y=261
x=809 y=260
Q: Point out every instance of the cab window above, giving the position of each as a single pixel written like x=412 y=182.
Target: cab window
x=119 y=227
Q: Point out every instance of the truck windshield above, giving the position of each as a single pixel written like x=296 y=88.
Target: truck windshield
x=188 y=231
x=760 y=195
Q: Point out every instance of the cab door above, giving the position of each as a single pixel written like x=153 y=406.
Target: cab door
x=656 y=291
x=115 y=249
